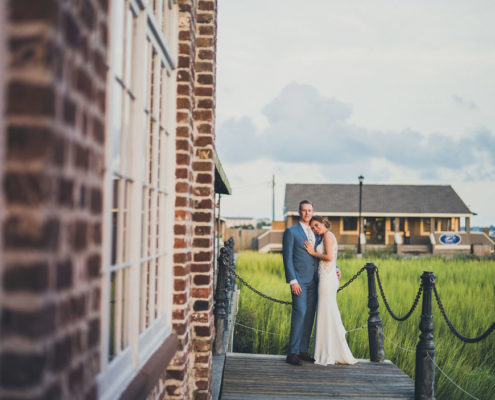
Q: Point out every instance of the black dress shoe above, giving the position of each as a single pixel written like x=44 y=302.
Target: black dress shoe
x=293 y=359
x=306 y=357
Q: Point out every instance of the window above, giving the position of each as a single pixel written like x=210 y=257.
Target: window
x=445 y=224
x=401 y=226
x=350 y=224
x=426 y=225
x=139 y=191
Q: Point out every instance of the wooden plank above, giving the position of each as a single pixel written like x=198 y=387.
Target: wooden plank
x=257 y=376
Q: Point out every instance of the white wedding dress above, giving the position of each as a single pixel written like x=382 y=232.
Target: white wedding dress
x=330 y=345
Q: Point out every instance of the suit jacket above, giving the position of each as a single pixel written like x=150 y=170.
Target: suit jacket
x=298 y=264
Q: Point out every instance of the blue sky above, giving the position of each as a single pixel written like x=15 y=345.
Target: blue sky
x=326 y=90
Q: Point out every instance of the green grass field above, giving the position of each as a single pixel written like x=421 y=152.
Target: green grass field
x=466 y=287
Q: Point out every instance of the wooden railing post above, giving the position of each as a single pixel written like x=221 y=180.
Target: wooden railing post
x=221 y=302
x=375 y=329
x=424 y=382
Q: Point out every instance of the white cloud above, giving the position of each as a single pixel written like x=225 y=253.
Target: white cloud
x=468 y=104
x=306 y=127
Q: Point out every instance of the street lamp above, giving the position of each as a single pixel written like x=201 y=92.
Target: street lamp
x=361 y=179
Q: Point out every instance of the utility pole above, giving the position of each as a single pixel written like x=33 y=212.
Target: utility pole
x=273 y=197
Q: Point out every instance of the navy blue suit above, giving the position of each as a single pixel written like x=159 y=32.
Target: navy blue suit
x=300 y=265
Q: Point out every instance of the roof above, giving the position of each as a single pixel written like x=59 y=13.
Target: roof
x=222 y=184
x=377 y=200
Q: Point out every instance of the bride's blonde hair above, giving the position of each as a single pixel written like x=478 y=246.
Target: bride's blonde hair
x=321 y=220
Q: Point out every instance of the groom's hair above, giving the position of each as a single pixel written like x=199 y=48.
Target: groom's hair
x=304 y=202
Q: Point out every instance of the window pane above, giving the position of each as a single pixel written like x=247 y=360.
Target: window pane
x=119 y=312
x=115 y=219
x=401 y=224
x=350 y=224
x=163 y=95
x=117 y=35
x=116 y=127
x=162 y=159
x=127 y=136
x=446 y=224
x=129 y=45
x=144 y=298
x=111 y=341
x=157 y=270
x=151 y=209
x=125 y=308
x=144 y=223
x=125 y=222
x=151 y=149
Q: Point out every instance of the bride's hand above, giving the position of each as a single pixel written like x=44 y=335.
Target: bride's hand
x=309 y=248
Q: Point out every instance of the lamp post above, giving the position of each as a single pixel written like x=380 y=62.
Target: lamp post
x=361 y=179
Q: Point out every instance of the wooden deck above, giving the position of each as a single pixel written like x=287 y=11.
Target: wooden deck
x=259 y=376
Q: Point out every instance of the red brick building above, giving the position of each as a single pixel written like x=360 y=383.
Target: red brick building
x=107 y=173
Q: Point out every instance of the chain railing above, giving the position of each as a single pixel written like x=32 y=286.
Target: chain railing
x=267 y=297
x=387 y=306
x=425 y=350
x=453 y=329
x=351 y=280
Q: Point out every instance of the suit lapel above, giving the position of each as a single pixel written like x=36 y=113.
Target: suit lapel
x=301 y=231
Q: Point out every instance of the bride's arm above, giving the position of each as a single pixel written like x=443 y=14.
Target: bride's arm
x=328 y=243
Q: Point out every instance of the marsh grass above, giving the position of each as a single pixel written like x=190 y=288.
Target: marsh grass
x=466 y=287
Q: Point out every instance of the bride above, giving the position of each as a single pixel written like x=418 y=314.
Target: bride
x=330 y=344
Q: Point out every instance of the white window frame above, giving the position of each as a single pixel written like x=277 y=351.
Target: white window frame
x=116 y=374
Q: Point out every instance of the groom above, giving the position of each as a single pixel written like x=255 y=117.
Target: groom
x=301 y=272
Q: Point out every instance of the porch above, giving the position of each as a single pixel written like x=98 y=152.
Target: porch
x=415 y=237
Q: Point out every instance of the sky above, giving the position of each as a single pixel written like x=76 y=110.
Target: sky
x=322 y=91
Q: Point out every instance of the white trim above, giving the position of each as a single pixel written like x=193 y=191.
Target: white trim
x=268 y=232
x=348 y=231
x=158 y=39
x=117 y=376
x=136 y=5
x=452 y=247
x=271 y=247
x=382 y=214
x=152 y=338
x=116 y=267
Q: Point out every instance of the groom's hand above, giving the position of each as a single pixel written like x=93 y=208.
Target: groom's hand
x=338 y=274
x=296 y=289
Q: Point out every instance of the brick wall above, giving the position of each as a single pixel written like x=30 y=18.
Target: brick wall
x=178 y=372
x=203 y=191
x=189 y=374
x=52 y=198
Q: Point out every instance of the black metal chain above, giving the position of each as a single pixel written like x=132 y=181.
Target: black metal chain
x=351 y=280
x=451 y=326
x=232 y=271
x=415 y=303
x=257 y=291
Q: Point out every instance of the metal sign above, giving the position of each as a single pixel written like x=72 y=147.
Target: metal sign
x=450 y=238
